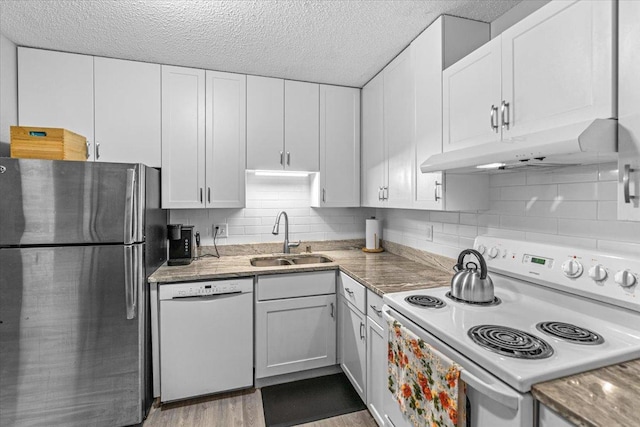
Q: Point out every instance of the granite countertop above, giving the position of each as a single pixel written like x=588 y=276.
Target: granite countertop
x=605 y=397
x=381 y=272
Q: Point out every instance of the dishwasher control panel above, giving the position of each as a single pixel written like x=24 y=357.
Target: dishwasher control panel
x=203 y=289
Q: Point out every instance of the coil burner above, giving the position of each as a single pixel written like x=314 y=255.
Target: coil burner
x=571 y=333
x=425 y=301
x=510 y=342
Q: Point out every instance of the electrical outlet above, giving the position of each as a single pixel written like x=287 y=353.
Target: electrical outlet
x=429 y=233
x=221 y=230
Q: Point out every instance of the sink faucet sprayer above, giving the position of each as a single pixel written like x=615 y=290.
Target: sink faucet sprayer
x=276 y=227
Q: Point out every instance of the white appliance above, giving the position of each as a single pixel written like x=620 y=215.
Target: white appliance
x=558 y=311
x=206 y=337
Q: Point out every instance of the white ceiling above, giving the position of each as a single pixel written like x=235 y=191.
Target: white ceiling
x=337 y=42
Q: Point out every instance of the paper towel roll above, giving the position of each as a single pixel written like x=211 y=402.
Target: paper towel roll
x=373 y=233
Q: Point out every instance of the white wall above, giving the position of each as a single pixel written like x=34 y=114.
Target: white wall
x=266 y=196
x=569 y=206
x=8 y=92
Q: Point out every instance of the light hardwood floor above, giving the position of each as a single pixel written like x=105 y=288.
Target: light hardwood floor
x=241 y=409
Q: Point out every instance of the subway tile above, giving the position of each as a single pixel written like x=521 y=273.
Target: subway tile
x=494 y=193
x=244 y=221
x=506 y=179
x=563 y=209
x=503 y=233
x=607 y=211
x=586 y=173
x=536 y=177
x=536 y=224
x=616 y=247
x=447 y=217
x=529 y=192
x=469 y=218
x=624 y=231
x=461 y=230
x=445 y=239
x=605 y=190
x=561 y=240
x=608 y=172
x=507 y=206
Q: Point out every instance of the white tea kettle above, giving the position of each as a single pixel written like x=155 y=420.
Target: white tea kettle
x=469 y=284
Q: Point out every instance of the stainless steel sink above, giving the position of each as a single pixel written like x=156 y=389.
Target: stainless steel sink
x=310 y=259
x=289 y=260
x=270 y=262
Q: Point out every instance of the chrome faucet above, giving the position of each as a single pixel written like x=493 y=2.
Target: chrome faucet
x=276 y=227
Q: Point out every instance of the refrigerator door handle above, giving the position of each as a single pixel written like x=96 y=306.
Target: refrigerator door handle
x=129 y=207
x=130 y=282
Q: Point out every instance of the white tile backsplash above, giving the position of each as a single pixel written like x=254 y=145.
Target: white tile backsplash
x=266 y=196
x=573 y=206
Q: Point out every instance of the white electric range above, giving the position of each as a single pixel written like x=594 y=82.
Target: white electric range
x=558 y=311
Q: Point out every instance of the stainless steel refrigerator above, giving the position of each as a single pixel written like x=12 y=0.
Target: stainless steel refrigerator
x=77 y=243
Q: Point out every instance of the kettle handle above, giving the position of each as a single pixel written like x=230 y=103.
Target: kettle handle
x=483 y=265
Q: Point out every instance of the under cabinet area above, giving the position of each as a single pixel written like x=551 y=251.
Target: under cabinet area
x=295 y=322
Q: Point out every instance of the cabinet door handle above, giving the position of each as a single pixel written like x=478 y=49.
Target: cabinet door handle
x=378 y=311
x=97 y=150
x=504 y=107
x=209 y=194
x=201 y=200
x=385 y=193
x=625 y=183
x=324 y=195
x=361 y=331
x=332 y=310
x=288 y=158
x=88 y=145
x=349 y=291
x=282 y=158
x=379 y=193
x=493 y=118
x=435 y=191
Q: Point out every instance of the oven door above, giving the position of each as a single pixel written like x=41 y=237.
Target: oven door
x=490 y=402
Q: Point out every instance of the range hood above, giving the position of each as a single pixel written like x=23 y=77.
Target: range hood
x=590 y=142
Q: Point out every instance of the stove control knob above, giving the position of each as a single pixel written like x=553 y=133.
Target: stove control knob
x=493 y=252
x=625 y=278
x=598 y=273
x=572 y=268
x=482 y=249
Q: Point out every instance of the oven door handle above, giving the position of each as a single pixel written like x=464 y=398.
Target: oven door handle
x=490 y=387
x=494 y=391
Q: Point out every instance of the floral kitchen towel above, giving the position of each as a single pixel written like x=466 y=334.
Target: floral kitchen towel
x=425 y=383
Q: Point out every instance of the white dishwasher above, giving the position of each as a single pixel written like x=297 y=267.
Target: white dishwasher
x=206 y=337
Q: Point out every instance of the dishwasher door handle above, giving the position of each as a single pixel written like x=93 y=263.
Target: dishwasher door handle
x=205 y=297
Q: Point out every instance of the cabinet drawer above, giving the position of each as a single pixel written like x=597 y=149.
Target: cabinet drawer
x=353 y=292
x=294 y=285
x=374 y=307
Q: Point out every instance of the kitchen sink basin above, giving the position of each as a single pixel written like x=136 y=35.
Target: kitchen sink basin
x=311 y=259
x=289 y=260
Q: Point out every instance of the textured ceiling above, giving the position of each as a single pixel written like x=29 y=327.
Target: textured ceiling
x=337 y=42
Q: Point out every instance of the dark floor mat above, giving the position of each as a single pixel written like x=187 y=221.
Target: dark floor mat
x=309 y=400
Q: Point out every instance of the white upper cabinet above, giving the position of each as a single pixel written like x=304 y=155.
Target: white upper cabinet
x=55 y=89
x=552 y=70
x=338 y=184
x=558 y=67
x=471 y=101
x=265 y=123
x=127 y=111
x=282 y=124
x=629 y=112
x=183 y=137
x=374 y=159
x=442 y=43
x=203 y=138
x=398 y=129
x=225 y=139
x=301 y=126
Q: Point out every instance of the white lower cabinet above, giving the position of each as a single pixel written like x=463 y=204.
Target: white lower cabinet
x=353 y=332
x=549 y=418
x=376 y=357
x=293 y=332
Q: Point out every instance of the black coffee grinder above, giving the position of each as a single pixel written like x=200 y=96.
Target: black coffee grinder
x=181 y=244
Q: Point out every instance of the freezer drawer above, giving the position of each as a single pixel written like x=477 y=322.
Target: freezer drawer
x=71 y=336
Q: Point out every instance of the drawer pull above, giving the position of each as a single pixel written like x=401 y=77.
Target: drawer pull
x=332 y=315
x=374 y=308
x=349 y=291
